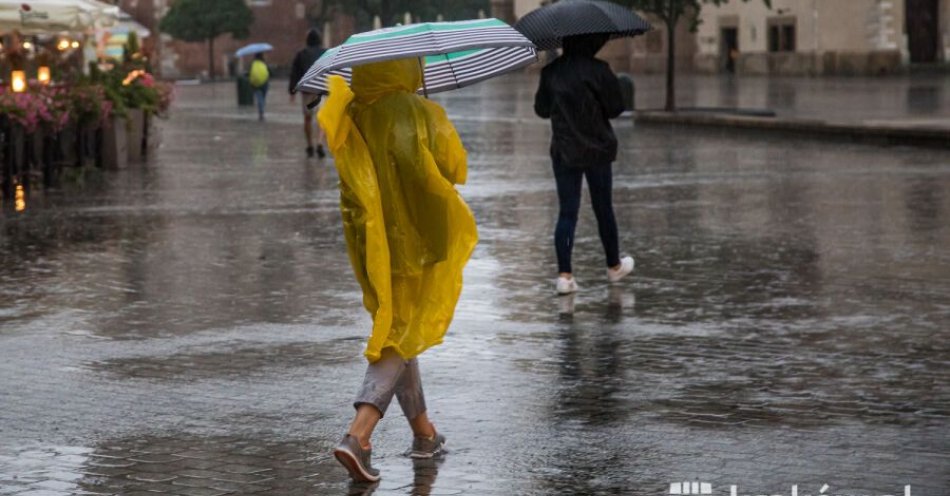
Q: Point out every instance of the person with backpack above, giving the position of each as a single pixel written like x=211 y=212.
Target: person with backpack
x=580 y=94
x=259 y=77
x=302 y=62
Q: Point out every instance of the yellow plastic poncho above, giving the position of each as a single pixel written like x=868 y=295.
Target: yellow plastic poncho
x=408 y=232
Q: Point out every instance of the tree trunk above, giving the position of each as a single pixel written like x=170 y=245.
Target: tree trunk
x=211 y=57
x=670 y=65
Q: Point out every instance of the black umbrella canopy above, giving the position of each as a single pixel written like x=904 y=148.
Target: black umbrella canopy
x=548 y=26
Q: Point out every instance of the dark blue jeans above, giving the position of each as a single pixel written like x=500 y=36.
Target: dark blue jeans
x=569 y=183
x=260 y=95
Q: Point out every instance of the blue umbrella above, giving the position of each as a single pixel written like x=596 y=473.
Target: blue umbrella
x=253 y=48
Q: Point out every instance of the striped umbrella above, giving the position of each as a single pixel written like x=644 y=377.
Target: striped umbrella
x=547 y=26
x=456 y=54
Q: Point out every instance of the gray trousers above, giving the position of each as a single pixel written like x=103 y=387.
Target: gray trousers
x=391 y=375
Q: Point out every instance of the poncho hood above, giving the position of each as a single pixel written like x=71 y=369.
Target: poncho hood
x=372 y=81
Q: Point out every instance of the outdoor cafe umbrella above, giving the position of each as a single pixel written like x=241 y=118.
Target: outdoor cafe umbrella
x=456 y=53
x=50 y=16
x=253 y=48
x=547 y=26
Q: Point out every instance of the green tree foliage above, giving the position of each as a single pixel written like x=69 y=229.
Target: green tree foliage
x=671 y=12
x=205 y=20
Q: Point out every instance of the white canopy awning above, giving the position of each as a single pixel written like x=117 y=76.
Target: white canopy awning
x=54 y=16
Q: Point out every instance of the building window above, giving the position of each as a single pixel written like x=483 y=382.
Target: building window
x=781 y=35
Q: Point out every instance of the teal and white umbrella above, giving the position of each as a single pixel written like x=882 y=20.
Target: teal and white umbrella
x=456 y=54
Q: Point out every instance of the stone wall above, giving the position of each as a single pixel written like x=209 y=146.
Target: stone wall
x=829 y=63
x=858 y=37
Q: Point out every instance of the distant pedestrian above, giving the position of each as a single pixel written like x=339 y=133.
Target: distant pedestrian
x=302 y=62
x=580 y=94
x=259 y=77
x=409 y=235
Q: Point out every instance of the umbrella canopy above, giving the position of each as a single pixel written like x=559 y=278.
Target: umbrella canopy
x=117 y=36
x=253 y=48
x=48 y=16
x=127 y=25
x=547 y=26
x=456 y=54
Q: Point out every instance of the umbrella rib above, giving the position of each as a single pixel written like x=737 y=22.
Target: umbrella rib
x=422 y=68
x=452 y=70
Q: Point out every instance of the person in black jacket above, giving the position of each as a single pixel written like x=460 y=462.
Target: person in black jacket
x=580 y=94
x=302 y=62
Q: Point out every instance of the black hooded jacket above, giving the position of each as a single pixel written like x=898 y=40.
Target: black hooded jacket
x=304 y=59
x=580 y=93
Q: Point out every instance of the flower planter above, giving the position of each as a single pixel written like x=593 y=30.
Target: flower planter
x=67 y=145
x=115 y=144
x=136 y=135
x=153 y=136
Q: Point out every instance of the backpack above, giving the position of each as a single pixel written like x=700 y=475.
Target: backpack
x=259 y=74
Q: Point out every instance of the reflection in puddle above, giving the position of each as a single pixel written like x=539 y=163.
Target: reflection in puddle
x=19 y=198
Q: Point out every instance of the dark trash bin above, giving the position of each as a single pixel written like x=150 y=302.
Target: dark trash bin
x=245 y=94
x=627 y=91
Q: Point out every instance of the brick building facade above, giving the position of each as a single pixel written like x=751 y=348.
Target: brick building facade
x=282 y=23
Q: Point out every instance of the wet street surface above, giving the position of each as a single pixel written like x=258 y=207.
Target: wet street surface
x=192 y=326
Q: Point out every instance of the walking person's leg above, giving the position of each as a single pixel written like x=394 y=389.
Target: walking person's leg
x=379 y=386
x=308 y=128
x=569 y=181
x=264 y=98
x=260 y=96
x=309 y=116
x=600 y=184
x=387 y=377
x=426 y=443
x=259 y=100
x=320 y=139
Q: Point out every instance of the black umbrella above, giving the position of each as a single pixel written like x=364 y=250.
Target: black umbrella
x=548 y=26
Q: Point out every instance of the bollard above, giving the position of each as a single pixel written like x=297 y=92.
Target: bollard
x=245 y=94
x=627 y=90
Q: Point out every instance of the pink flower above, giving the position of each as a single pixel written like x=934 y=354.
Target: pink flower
x=147 y=80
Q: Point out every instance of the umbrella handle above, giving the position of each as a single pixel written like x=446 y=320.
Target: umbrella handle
x=422 y=69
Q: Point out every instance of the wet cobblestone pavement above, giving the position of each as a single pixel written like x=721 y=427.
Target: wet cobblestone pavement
x=191 y=327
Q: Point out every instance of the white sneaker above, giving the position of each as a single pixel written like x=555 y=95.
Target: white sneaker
x=566 y=286
x=626 y=267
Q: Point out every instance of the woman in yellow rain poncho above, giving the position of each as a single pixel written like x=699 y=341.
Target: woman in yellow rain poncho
x=409 y=235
